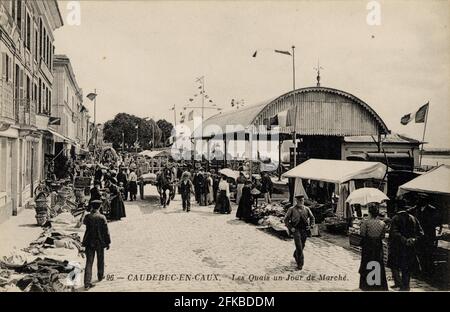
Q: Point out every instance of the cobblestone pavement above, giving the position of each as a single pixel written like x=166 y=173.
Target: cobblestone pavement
x=202 y=251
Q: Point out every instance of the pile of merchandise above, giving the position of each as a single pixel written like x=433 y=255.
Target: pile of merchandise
x=271 y=216
x=54 y=261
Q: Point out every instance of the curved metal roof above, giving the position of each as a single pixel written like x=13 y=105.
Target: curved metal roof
x=224 y=123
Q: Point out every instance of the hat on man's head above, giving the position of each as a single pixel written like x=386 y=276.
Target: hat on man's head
x=299 y=196
x=95 y=204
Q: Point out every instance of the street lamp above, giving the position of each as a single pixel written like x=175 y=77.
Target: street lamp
x=137 y=137
x=93 y=97
x=293 y=103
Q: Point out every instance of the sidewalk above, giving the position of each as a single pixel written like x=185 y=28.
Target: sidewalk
x=18 y=231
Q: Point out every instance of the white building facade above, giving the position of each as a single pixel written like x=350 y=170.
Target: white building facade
x=26 y=49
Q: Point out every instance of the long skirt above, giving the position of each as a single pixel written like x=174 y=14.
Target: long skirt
x=210 y=196
x=222 y=203
x=244 y=210
x=372 y=271
x=239 y=188
x=117 y=208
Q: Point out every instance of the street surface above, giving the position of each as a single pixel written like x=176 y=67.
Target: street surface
x=156 y=249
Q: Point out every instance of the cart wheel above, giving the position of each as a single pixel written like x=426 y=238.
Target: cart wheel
x=141 y=190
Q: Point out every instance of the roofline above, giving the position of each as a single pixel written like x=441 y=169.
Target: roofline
x=334 y=91
x=382 y=127
x=64 y=60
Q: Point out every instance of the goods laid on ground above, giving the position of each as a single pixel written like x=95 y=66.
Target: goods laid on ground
x=54 y=261
x=336 y=224
x=271 y=216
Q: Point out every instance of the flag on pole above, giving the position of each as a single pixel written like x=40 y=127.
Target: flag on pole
x=283 y=52
x=405 y=119
x=282 y=118
x=254 y=54
x=290 y=118
x=91 y=96
x=418 y=116
x=422 y=113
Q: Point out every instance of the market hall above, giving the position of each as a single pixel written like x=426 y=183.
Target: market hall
x=320 y=118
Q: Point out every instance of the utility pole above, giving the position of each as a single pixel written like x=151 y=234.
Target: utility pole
x=123 y=141
x=137 y=137
x=201 y=80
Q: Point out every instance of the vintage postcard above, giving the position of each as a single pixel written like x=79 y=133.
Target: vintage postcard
x=224 y=146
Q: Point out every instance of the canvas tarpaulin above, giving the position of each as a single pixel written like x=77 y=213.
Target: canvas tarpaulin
x=436 y=181
x=337 y=171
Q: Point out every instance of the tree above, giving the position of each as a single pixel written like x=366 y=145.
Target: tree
x=125 y=128
x=166 y=129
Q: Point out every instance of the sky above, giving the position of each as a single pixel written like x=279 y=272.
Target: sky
x=144 y=56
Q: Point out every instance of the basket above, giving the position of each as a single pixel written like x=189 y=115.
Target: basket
x=41 y=219
x=41 y=205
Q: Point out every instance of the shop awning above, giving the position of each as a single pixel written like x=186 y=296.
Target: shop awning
x=337 y=171
x=436 y=181
x=60 y=136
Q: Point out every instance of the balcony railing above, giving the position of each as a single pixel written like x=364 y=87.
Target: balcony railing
x=25 y=112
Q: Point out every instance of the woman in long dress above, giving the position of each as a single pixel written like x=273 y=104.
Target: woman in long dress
x=240 y=181
x=244 y=211
x=209 y=183
x=223 y=199
x=372 y=231
x=117 y=206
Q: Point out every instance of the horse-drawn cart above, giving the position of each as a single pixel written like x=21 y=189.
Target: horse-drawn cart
x=149 y=165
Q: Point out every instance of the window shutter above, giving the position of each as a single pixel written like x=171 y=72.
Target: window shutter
x=4 y=66
x=21 y=76
x=10 y=68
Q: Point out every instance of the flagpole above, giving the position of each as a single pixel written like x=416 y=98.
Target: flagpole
x=293 y=103
x=423 y=135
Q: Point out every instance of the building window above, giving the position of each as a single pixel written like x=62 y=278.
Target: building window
x=28 y=33
x=28 y=86
x=47 y=101
x=13 y=9
x=47 y=55
x=35 y=92
x=6 y=67
x=36 y=39
x=40 y=97
x=19 y=14
x=40 y=38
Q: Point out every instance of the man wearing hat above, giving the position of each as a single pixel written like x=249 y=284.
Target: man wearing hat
x=299 y=219
x=405 y=231
x=429 y=219
x=95 y=240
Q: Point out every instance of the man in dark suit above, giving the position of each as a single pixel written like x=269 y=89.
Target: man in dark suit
x=96 y=239
x=299 y=220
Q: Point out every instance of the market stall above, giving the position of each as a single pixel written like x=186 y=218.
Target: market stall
x=436 y=184
x=341 y=173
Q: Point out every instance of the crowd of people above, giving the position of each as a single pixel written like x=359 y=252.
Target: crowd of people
x=412 y=230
